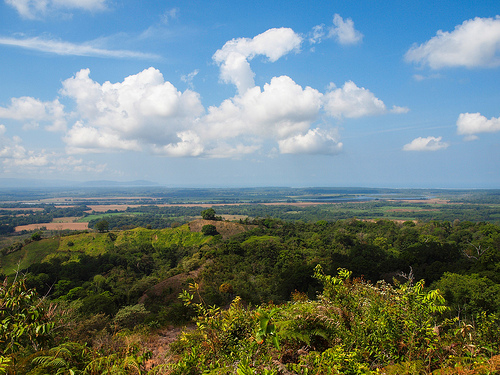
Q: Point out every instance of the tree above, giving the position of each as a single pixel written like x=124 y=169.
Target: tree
x=208 y=214
x=209 y=230
x=102 y=226
x=36 y=236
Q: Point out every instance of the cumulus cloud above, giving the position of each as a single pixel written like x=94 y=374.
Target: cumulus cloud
x=426 y=144
x=82 y=139
x=344 y=31
x=33 y=110
x=282 y=108
x=352 y=101
x=14 y=154
x=33 y=9
x=315 y=141
x=17 y=158
x=233 y=58
x=189 y=144
x=63 y=48
x=474 y=43
x=147 y=113
x=470 y=124
x=143 y=109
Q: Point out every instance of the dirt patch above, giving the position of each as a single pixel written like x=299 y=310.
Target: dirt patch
x=159 y=344
x=225 y=228
x=69 y=219
x=53 y=226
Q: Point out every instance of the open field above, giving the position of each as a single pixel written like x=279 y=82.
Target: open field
x=53 y=226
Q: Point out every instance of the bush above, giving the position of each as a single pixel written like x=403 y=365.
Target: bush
x=130 y=316
x=209 y=230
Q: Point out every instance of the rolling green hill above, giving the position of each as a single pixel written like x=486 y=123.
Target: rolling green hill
x=95 y=244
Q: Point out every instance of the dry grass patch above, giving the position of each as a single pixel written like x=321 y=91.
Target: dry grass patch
x=53 y=226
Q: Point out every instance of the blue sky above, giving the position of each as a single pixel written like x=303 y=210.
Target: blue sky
x=261 y=93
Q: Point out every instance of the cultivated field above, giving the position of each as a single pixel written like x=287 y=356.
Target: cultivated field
x=53 y=226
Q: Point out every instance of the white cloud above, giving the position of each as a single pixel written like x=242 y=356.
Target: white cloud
x=144 y=112
x=474 y=43
x=33 y=9
x=352 y=101
x=316 y=34
x=144 y=109
x=426 y=144
x=281 y=109
x=233 y=57
x=63 y=48
x=13 y=153
x=224 y=150
x=16 y=158
x=470 y=124
x=189 y=145
x=83 y=139
x=344 y=31
x=315 y=141
x=169 y=15
x=188 y=78
x=399 y=110
x=33 y=110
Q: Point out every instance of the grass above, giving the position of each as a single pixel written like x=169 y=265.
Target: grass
x=34 y=252
x=161 y=237
x=88 y=243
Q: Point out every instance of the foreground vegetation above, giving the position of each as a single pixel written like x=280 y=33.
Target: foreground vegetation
x=255 y=296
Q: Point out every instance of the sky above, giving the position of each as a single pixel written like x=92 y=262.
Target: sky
x=222 y=93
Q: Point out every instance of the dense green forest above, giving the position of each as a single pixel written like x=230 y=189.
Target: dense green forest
x=267 y=296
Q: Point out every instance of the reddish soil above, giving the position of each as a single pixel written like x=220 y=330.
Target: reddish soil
x=159 y=344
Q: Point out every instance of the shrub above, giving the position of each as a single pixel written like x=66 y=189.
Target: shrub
x=130 y=316
x=209 y=230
